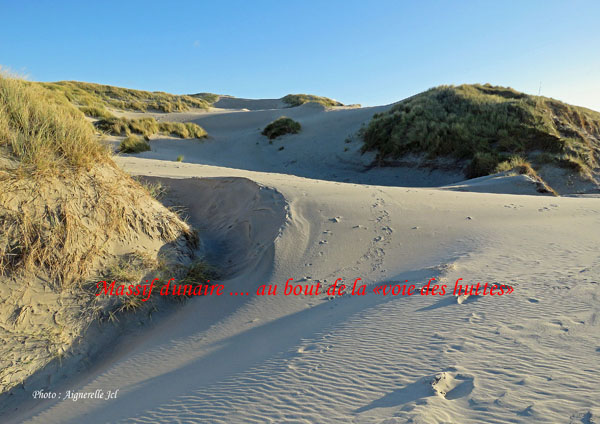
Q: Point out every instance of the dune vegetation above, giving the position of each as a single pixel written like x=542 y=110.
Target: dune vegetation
x=41 y=132
x=280 y=126
x=51 y=150
x=299 y=99
x=134 y=144
x=69 y=216
x=488 y=127
x=148 y=126
x=100 y=97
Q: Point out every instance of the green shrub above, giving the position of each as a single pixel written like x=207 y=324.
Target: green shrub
x=134 y=144
x=180 y=158
x=299 y=99
x=281 y=126
x=481 y=164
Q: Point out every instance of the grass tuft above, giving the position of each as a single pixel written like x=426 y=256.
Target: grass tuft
x=134 y=144
x=182 y=130
x=281 y=126
x=96 y=112
x=148 y=126
x=156 y=190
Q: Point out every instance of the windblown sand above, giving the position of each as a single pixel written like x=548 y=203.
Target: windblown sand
x=312 y=211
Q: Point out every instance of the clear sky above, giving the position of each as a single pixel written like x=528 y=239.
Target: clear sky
x=369 y=52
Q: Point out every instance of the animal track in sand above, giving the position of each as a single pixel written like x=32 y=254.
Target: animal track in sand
x=547 y=208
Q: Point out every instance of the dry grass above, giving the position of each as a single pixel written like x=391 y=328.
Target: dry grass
x=103 y=96
x=521 y=166
x=96 y=112
x=43 y=133
x=62 y=225
x=63 y=201
x=134 y=144
x=299 y=99
x=148 y=126
x=156 y=190
x=182 y=129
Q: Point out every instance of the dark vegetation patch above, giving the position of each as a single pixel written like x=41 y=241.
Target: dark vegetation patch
x=299 y=99
x=281 y=126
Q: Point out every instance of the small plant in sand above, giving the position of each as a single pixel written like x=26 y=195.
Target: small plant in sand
x=180 y=158
x=281 y=126
x=198 y=273
x=134 y=144
x=156 y=190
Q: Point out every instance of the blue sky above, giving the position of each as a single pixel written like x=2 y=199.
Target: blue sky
x=369 y=52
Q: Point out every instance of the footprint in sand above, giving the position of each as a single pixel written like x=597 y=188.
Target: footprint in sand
x=326 y=348
x=454 y=348
x=585 y=417
x=307 y=348
x=387 y=230
x=476 y=317
x=451 y=385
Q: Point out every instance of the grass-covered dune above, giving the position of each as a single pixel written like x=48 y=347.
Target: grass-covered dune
x=67 y=215
x=299 y=99
x=95 y=98
x=490 y=128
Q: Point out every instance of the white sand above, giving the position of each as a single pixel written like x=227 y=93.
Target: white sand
x=532 y=356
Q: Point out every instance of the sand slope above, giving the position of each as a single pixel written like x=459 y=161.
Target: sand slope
x=532 y=356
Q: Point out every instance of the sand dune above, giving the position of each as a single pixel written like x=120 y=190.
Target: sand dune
x=532 y=356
